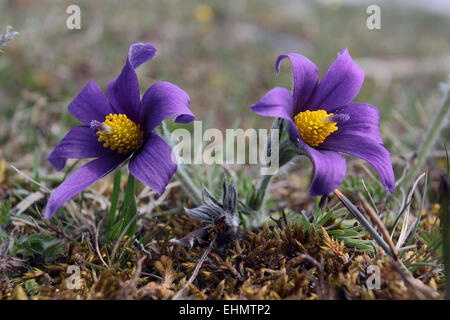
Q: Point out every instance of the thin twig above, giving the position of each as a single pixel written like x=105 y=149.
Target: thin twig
x=404 y=233
x=132 y=284
x=116 y=245
x=381 y=227
x=51 y=226
x=180 y=292
x=97 y=249
x=141 y=246
x=421 y=290
x=44 y=188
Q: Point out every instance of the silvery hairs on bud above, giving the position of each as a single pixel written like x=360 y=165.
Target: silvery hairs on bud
x=220 y=216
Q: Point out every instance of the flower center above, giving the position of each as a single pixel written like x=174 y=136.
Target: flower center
x=314 y=126
x=120 y=133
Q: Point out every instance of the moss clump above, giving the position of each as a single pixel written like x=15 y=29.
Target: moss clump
x=275 y=262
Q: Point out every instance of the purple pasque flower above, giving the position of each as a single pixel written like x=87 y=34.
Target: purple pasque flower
x=323 y=120
x=120 y=128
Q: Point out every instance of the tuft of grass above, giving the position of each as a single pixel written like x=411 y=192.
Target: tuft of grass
x=5 y=213
x=337 y=224
x=126 y=220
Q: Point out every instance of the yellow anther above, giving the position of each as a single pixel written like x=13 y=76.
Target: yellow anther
x=120 y=134
x=314 y=126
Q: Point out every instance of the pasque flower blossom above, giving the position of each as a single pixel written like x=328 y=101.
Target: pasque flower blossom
x=119 y=128
x=323 y=121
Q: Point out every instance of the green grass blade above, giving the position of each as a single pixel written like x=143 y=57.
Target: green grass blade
x=129 y=207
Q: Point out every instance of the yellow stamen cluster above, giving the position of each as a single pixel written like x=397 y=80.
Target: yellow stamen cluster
x=120 y=134
x=314 y=126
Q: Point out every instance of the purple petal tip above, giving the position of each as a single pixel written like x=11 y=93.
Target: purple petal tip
x=140 y=53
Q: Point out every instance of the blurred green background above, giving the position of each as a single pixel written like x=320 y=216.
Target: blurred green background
x=222 y=53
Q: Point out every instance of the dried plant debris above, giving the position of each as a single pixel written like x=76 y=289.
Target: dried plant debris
x=321 y=253
x=221 y=217
x=279 y=261
x=8 y=264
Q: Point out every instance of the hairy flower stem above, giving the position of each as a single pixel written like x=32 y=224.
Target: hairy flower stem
x=260 y=211
x=431 y=135
x=261 y=189
x=258 y=204
x=181 y=174
x=263 y=184
x=287 y=152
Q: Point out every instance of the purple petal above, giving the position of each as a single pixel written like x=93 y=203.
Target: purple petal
x=140 y=53
x=340 y=84
x=359 y=119
x=306 y=77
x=90 y=104
x=329 y=170
x=276 y=103
x=164 y=100
x=123 y=92
x=153 y=164
x=80 y=180
x=80 y=142
x=366 y=149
